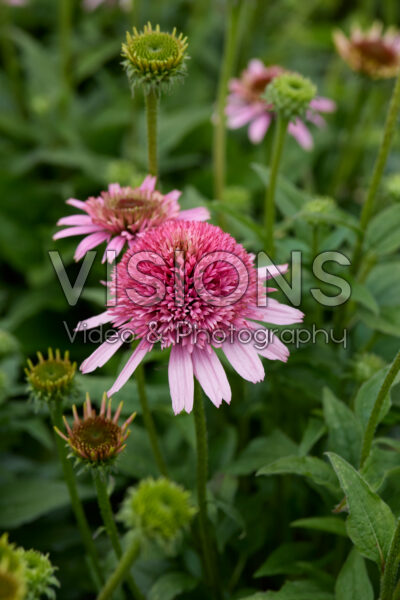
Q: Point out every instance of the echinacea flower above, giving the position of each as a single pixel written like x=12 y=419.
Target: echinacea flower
x=118 y=215
x=97 y=439
x=12 y=571
x=372 y=52
x=52 y=378
x=192 y=287
x=247 y=106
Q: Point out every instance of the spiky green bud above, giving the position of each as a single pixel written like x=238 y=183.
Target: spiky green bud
x=39 y=575
x=52 y=378
x=154 y=59
x=290 y=95
x=12 y=571
x=316 y=209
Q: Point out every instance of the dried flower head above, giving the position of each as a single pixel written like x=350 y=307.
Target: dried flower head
x=39 y=575
x=119 y=214
x=290 y=95
x=51 y=378
x=372 y=52
x=159 y=509
x=97 y=439
x=12 y=571
x=154 y=59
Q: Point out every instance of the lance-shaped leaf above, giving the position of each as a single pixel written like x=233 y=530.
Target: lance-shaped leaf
x=353 y=582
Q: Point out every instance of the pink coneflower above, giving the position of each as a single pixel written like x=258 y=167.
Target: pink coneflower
x=371 y=52
x=246 y=106
x=193 y=288
x=118 y=215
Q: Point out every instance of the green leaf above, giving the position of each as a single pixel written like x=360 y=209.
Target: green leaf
x=387 y=322
x=289 y=199
x=382 y=235
x=294 y=590
x=367 y=394
x=308 y=466
x=371 y=523
x=261 y=451
x=171 y=585
x=384 y=283
x=353 y=582
x=334 y=525
x=345 y=431
x=363 y=296
x=282 y=561
x=312 y=434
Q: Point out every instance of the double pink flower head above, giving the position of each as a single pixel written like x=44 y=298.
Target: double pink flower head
x=247 y=106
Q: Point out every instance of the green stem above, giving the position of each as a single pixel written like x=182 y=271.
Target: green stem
x=9 y=57
x=376 y=411
x=388 y=581
x=123 y=566
x=69 y=477
x=269 y=212
x=367 y=211
x=228 y=60
x=148 y=421
x=110 y=525
x=202 y=476
x=151 y=115
x=65 y=25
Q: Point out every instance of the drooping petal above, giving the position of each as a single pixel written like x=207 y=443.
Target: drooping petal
x=259 y=127
x=133 y=361
x=90 y=242
x=270 y=271
x=71 y=231
x=242 y=116
x=301 y=133
x=200 y=213
x=114 y=248
x=211 y=376
x=75 y=220
x=274 y=349
x=323 y=104
x=244 y=359
x=101 y=355
x=92 y=322
x=77 y=204
x=180 y=376
x=277 y=313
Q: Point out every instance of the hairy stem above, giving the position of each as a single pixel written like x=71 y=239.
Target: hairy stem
x=376 y=411
x=123 y=566
x=269 y=209
x=111 y=527
x=70 y=480
x=151 y=116
x=149 y=422
x=389 y=577
x=367 y=211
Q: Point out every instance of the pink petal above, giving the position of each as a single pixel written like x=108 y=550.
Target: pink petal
x=133 y=361
x=301 y=133
x=180 y=376
x=256 y=67
x=194 y=214
x=323 y=104
x=114 y=248
x=76 y=231
x=211 y=376
x=258 y=128
x=92 y=322
x=77 y=203
x=244 y=359
x=278 y=314
x=101 y=355
x=75 y=220
x=148 y=184
x=265 y=273
x=89 y=242
x=274 y=348
x=174 y=195
x=114 y=189
x=243 y=116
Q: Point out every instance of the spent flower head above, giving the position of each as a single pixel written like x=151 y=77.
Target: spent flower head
x=159 y=509
x=290 y=95
x=154 y=59
x=12 y=571
x=39 y=575
x=96 y=439
x=371 y=52
x=51 y=378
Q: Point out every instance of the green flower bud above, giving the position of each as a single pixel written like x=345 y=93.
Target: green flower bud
x=366 y=365
x=316 y=209
x=159 y=509
x=154 y=59
x=51 y=378
x=290 y=95
x=39 y=575
x=12 y=571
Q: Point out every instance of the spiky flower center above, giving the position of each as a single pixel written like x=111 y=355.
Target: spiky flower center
x=51 y=378
x=157 y=46
x=377 y=51
x=52 y=370
x=290 y=94
x=96 y=433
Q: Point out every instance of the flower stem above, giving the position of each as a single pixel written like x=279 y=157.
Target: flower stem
x=367 y=211
x=123 y=566
x=388 y=581
x=202 y=475
x=111 y=527
x=151 y=115
x=374 y=417
x=228 y=59
x=148 y=421
x=269 y=211
x=10 y=58
x=65 y=25
x=69 y=477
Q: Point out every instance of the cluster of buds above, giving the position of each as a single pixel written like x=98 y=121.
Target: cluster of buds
x=154 y=59
x=159 y=510
x=51 y=378
x=96 y=439
x=290 y=95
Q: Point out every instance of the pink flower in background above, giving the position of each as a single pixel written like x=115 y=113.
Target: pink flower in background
x=15 y=2
x=193 y=288
x=90 y=5
x=120 y=214
x=246 y=106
